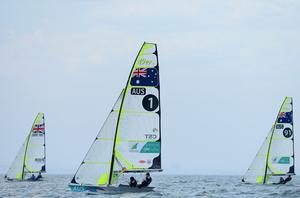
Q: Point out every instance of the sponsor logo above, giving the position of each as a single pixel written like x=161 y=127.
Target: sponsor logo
x=151 y=147
x=138 y=91
x=144 y=61
x=155 y=130
x=279 y=126
x=39 y=159
x=134 y=148
x=148 y=161
x=150 y=136
x=287 y=132
x=281 y=160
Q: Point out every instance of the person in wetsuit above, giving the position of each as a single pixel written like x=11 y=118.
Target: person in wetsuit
x=39 y=176
x=32 y=177
x=284 y=181
x=146 y=181
x=289 y=178
x=132 y=182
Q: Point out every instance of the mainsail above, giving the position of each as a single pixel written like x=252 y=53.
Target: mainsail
x=129 y=140
x=31 y=158
x=275 y=158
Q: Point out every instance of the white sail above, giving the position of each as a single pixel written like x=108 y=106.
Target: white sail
x=31 y=158
x=137 y=144
x=281 y=153
x=256 y=171
x=16 y=169
x=95 y=168
x=276 y=156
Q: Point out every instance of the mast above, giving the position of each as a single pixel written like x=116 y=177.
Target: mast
x=293 y=135
x=25 y=155
x=44 y=167
x=270 y=142
x=28 y=138
x=120 y=111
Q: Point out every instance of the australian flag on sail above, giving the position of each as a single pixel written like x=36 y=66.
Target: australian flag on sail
x=144 y=77
x=285 y=117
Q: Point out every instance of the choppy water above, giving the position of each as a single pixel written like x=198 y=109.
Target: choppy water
x=166 y=186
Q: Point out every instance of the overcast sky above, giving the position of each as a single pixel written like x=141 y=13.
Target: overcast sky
x=225 y=66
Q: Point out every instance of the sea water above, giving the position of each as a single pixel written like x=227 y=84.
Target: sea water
x=166 y=186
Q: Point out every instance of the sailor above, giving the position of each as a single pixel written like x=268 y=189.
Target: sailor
x=39 y=176
x=132 y=182
x=289 y=178
x=284 y=181
x=32 y=177
x=281 y=180
x=146 y=181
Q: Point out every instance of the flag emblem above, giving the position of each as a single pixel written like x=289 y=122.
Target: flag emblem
x=144 y=77
x=285 y=117
x=38 y=128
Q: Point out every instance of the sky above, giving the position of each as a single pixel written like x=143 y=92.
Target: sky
x=225 y=68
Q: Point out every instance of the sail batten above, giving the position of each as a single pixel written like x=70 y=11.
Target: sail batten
x=276 y=156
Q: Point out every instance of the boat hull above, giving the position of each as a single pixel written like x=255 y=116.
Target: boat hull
x=109 y=189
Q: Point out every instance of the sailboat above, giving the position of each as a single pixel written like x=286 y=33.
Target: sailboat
x=30 y=161
x=275 y=159
x=130 y=138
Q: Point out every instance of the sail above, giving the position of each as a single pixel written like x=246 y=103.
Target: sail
x=256 y=171
x=95 y=168
x=31 y=157
x=281 y=152
x=137 y=145
x=16 y=169
x=276 y=156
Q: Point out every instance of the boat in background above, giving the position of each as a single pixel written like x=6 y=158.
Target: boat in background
x=275 y=159
x=30 y=161
x=130 y=138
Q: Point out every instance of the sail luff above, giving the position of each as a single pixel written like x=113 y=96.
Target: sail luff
x=268 y=154
x=119 y=116
x=23 y=165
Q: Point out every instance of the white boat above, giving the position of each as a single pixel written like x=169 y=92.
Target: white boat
x=30 y=161
x=275 y=159
x=130 y=138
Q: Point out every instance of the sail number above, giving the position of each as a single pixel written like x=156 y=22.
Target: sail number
x=150 y=102
x=287 y=132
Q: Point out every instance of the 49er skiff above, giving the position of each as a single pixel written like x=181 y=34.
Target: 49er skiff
x=30 y=162
x=275 y=158
x=130 y=138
